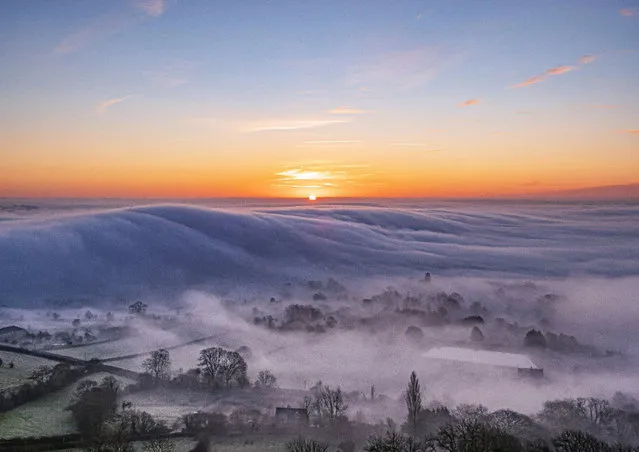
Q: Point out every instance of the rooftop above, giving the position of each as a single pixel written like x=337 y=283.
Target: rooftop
x=481 y=357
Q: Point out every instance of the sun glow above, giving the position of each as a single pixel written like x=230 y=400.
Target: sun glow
x=312 y=197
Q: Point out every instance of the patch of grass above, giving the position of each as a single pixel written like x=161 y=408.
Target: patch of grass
x=46 y=416
x=23 y=366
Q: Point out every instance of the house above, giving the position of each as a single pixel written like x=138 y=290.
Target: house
x=288 y=415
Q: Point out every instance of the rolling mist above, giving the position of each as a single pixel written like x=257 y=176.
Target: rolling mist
x=224 y=264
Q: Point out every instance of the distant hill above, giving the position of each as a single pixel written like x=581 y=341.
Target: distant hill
x=630 y=191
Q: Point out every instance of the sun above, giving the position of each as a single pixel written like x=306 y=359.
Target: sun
x=312 y=197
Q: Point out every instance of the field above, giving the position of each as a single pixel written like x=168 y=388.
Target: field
x=23 y=366
x=46 y=416
x=169 y=406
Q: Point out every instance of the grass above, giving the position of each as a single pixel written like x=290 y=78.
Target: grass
x=24 y=364
x=46 y=416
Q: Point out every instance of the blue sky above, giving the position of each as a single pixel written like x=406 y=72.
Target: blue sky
x=397 y=68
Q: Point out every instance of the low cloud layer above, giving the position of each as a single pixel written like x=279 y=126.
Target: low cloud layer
x=122 y=252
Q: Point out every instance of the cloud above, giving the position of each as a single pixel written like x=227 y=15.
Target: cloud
x=530 y=81
x=97 y=30
x=560 y=70
x=347 y=111
x=109 y=103
x=403 y=69
x=540 y=78
x=469 y=102
x=628 y=12
x=154 y=8
x=285 y=125
x=408 y=144
x=631 y=131
x=107 y=25
x=587 y=59
x=99 y=253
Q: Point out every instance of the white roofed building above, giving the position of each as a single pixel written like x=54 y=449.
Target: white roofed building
x=523 y=364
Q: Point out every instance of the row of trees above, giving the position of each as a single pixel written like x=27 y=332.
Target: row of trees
x=41 y=381
x=560 y=426
x=217 y=368
x=105 y=427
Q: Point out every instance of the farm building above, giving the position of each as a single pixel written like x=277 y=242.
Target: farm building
x=522 y=363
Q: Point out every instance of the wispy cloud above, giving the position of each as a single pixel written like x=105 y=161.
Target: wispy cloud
x=97 y=30
x=631 y=131
x=560 y=70
x=321 y=175
x=408 y=144
x=587 y=59
x=628 y=12
x=289 y=124
x=332 y=142
x=107 y=25
x=404 y=69
x=102 y=107
x=469 y=102
x=540 y=78
x=347 y=111
x=154 y=8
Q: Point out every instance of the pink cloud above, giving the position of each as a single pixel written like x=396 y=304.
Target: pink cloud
x=530 y=81
x=628 y=12
x=469 y=102
x=560 y=70
x=587 y=59
x=540 y=78
x=153 y=8
x=631 y=131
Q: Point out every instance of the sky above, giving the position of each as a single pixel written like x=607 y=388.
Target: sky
x=370 y=98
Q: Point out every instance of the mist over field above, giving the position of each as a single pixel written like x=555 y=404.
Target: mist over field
x=222 y=264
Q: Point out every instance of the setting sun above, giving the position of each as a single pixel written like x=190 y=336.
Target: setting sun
x=312 y=197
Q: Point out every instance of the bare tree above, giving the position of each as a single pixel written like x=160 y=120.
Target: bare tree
x=413 y=399
x=222 y=367
x=265 y=379
x=158 y=365
x=330 y=403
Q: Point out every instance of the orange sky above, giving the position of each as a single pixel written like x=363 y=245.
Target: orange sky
x=393 y=102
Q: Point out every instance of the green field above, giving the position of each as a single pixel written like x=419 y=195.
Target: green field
x=24 y=365
x=46 y=416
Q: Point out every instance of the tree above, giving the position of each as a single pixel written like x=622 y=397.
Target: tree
x=93 y=406
x=75 y=323
x=265 y=379
x=158 y=365
x=577 y=441
x=306 y=445
x=413 y=399
x=222 y=367
x=327 y=403
x=476 y=335
x=535 y=338
x=394 y=442
x=41 y=374
x=159 y=445
x=138 y=308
